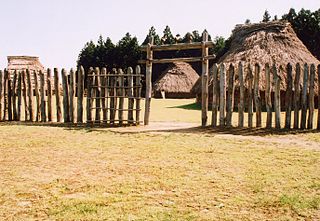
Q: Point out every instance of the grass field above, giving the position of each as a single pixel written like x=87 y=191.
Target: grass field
x=50 y=172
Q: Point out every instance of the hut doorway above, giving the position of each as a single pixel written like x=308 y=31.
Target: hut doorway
x=203 y=46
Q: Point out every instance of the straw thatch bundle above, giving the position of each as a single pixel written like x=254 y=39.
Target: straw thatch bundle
x=20 y=63
x=176 y=81
x=273 y=43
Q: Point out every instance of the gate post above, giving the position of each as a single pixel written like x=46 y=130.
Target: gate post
x=148 y=81
x=204 y=78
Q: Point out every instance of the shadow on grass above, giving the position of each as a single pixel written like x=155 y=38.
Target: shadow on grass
x=192 y=106
x=141 y=129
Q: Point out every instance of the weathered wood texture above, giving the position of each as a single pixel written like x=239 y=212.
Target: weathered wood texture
x=249 y=97
x=277 y=100
x=204 y=76
x=296 y=96
x=230 y=96
x=49 y=95
x=222 y=106
x=43 y=98
x=71 y=95
x=288 y=97
x=257 y=98
x=311 y=96
x=80 y=88
x=241 y=96
x=66 y=113
x=57 y=94
x=304 y=99
x=268 y=96
x=37 y=94
x=30 y=95
x=215 y=95
x=148 y=82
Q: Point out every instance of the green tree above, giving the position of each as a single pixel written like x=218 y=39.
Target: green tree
x=266 y=16
x=127 y=52
x=152 y=33
x=167 y=37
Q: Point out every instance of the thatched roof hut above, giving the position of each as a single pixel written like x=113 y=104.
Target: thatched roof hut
x=20 y=63
x=176 y=81
x=272 y=42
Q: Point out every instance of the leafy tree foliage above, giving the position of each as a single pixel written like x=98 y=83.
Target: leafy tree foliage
x=152 y=33
x=266 y=16
x=307 y=26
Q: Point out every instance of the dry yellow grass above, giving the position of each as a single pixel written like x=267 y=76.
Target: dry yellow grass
x=61 y=173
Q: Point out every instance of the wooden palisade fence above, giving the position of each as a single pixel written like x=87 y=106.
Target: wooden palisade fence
x=37 y=96
x=297 y=95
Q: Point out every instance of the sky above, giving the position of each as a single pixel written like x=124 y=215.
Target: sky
x=57 y=30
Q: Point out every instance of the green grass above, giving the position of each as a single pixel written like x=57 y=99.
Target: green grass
x=62 y=173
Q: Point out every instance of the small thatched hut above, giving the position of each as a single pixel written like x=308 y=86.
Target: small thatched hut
x=273 y=43
x=176 y=81
x=20 y=63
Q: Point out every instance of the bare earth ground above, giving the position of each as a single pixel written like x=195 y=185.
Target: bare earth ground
x=170 y=170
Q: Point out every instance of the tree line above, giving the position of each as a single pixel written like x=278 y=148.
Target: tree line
x=127 y=52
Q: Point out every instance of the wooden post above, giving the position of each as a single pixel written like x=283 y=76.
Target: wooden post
x=257 y=98
x=250 y=104
x=130 y=95
x=230 y=96
x=304 y=98
x=277 y=104
x=71 y=95
x=215 y=95
x=98 y=94
x=1 y=81
x=57 y=93
x=9 y=96
x=49 y=94
x=121 y=95
x=103 y=94
x=80 y=86
x=268 y=96
x=288 y=96
x=89 y=95
x=30 y=95
x=24 y=90
x=318 y=123
x=204 y=76
x=14 y=96
x=222 y=106
x=311 y=96
x=19 y=91
x=148 y=82
x=297 y=96
x=5 y=94
x=241 y=97
x=66 y=116
x=138 y=93
x=36 y=89
x=43 y=98
x=113 y=94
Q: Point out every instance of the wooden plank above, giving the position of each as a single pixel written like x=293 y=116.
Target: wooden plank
x=297 y=96
x=130 y=95
x=80 y=87
x=65 y=90
x=171 y=60
x=43 y=98
x=103 y=94
x=97 y=94
x=215 y=95
x=311 y=96
x=241 y=96
x=138 y=94
x=89 y=95
x=1 y=82
x=121 y=94
x=5 y=94
x=113 y=94
x=14 y=96
x=204 y=76
x=181 y=46
x=30 y=95
x=230 y=95
x=24 y=92
x=148 y=82
x=277 y=104
x=71 y=95
x=304 y=99
x=49 y=95
x=288 y=96
x=268 y=97
x=256 y=93
x=222 y=106
x=19 y=94
x=250 y=101
x=10 y=92
x=36 y=89
x=318 y=72
x=57 y=93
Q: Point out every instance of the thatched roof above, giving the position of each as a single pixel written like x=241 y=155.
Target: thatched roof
x=24 y=62
x=273 y=43
x=177 y=78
